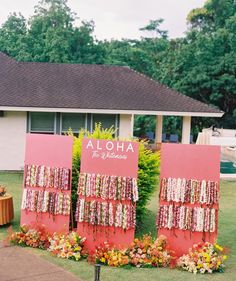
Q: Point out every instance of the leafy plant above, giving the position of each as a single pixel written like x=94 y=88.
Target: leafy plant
x=148 y=167
x=148 y=171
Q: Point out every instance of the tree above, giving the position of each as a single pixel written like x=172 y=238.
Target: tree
x=13 y=37
x=203 y=64
x=56 y=38
x=212 y=15
x=154 y=27
x=51 y=35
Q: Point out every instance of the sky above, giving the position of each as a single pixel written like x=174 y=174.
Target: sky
x=118 y=18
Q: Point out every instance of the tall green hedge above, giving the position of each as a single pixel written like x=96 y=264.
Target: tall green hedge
x=148 y=167
x=148 y=176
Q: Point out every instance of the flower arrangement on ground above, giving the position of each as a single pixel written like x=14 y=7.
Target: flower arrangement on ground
x=107 y=255
x=203 y=258
x=144 y=252
x=66 y=246
x=148 y=253
x=36 y=237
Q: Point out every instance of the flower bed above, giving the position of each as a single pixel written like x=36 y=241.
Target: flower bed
x=203 y=258
x=36 y=237
x=67 y=246
x=145 y=252
x=142 y=253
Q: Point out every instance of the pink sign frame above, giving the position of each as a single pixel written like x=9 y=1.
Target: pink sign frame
x=53 y=151
x=199 y=162
x=119 y=158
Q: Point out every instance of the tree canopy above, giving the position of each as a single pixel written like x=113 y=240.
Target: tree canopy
x=51 y=35
x=201 y=64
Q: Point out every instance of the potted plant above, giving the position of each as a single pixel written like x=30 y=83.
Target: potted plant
x=2 y=190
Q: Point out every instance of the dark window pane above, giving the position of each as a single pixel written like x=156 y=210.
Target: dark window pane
x=75 y=121
x=107 y=120
x=42 y=121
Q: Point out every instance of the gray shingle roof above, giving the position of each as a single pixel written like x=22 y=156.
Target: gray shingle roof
x=79 y=86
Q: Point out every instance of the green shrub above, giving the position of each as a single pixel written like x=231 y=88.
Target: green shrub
x=148 y=167
x=148 y=176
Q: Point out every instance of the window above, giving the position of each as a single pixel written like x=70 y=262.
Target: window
x=42 y=122
x=75 y=121
x=107 y=120
x=60 y=123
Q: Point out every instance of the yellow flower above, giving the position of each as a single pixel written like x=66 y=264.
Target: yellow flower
x=225 y=257
x=218 y=247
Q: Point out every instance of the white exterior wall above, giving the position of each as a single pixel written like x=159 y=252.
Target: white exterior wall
x=12 y=140
x=126 y=126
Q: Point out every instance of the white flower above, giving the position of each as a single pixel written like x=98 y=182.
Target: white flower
x=202 y=270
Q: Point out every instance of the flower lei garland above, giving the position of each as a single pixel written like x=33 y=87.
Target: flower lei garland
x=47 y=177
x=108 y=187
x=203 y=258
x=187 y=218
x=189 y=191
x=44 y=201
x=106 y=213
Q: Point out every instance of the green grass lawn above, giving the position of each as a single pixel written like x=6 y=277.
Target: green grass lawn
x=13 y=182
x=227 y=237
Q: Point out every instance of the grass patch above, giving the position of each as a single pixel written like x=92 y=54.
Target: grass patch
x=85 y=271
x=13 y=182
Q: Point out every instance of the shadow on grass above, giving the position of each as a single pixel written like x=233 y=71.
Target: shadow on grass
x=148 y=226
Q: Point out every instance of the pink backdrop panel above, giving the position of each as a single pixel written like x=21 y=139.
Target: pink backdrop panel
x=58 y=223
x=191 y=162
x=95 y=236
x=118 y=158
x=49 y=150
x=54 y=151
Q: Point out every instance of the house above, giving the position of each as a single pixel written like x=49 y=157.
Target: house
x=49 y=98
